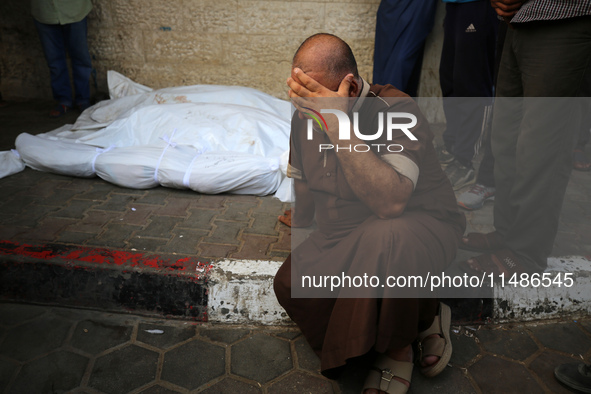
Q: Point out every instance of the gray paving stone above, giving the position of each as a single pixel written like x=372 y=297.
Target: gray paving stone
x=464 y=347
x=59 y=197
x=159 y=227
x=57 y=372
x=75 y=209
x=115 y=235
x=450 y=381
x=124 y=370
x=116 y=202
x=34 y=338
x=155 y=196
x=224 y=335
x=200 y=218
x=158 y=390
x=100 y=191
x=494 y=375
x=31 y=216
x=146 y=244
x=229 y=385
x=170 y=335
x=300 y=383
x=307 y=359
x=543 y=366
x=261 y=358
x=225 y=232
x=208 y=362
x=289 y=334
x=74 y=237
x=511 y=343
x=573 y=339
x=7 y=370
x=184 y=241
x=97 y=336
x=11 y=314
x=264 y=224
x=237 y=211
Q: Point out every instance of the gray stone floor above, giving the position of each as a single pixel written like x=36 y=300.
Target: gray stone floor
x=55 y=350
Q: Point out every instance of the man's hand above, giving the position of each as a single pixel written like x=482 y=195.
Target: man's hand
x=507 y=8
x=306 y=93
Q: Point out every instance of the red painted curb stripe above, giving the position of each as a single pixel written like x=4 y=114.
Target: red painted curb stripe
x=105 y=257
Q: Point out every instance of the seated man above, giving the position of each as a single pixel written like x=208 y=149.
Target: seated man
x=377 y=212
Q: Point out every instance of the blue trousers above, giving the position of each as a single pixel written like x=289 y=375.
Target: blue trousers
x=402 y=26
x=58 y=41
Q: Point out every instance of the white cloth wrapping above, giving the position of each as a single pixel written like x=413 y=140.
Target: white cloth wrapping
x=211 y=139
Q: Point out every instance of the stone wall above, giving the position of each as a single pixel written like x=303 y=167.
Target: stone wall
x=185 y=42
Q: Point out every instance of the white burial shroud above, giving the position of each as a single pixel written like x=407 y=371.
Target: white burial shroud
x=211 y=139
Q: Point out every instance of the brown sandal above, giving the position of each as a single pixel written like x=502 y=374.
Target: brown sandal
x=479 y=242
x=436 y=341
x=381 y=375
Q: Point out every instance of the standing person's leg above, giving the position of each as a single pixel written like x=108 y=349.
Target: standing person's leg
x=553 y=57
x=402 y=26
x=52 y=41
x=580 y=160
x=446 y=81
x=77 y=44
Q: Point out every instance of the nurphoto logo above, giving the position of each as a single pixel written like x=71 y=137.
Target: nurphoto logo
x=344 y=125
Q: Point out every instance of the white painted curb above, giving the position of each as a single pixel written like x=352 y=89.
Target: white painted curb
x=241 y=292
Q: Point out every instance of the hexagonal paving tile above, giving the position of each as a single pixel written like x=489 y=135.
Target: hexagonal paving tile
x=261 y=358
x=56 y=372
x=224 y=335
x=162 y=336
x=464 y=347
x=450 y=381
x=494 y=375
x=34 y=338
x=17 y=313
x=230 y=385
x=307 y=359
x=124 y=370
x=300 y=382
x=7 y=368
x=544 y=366
x=511 y=343
x=157 y=389
x=208 y=361
x=572 y=339
x=97 y=336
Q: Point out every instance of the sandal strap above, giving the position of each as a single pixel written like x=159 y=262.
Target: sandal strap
x=381 y=375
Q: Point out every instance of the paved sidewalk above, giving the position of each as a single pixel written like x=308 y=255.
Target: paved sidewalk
x=56 y=350
x=87 y=243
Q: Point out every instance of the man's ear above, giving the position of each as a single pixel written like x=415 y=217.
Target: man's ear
x=354 y=88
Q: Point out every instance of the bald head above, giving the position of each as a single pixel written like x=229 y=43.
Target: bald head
x=328 y=57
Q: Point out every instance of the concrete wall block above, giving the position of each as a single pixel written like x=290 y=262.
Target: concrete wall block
x=121 y=45
x=263 y=50
x=152 y=14
x=280 y=17
x=210 y=16
x=351 y=20
x=183 y=47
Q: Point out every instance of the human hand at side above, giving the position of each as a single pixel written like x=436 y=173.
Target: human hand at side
x=507 y=8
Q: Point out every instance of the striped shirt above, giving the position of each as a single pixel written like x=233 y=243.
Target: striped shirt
x=548 y=10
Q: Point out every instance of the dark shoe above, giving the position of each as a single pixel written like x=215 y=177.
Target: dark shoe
x=459 y=175
x=576 y=376
x=59 y=110
x=444 y=156
x=476 y=196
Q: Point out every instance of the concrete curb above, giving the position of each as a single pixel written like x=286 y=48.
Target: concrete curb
x=224 y=291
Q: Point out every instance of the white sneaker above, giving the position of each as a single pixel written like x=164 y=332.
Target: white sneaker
x=476 y=196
